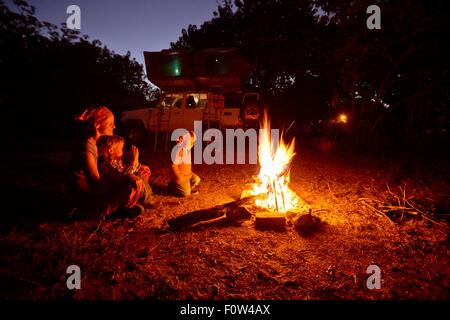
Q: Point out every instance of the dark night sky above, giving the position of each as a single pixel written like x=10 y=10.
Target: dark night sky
x=134 y=25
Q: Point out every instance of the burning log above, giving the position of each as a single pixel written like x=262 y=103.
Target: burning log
x=267 y=220
x=233 y=211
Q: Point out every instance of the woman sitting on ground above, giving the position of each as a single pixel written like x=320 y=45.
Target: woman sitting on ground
x=92 y=195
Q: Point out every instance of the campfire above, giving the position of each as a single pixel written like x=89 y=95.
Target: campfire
x=274 y=200
x=273 y=178
x=269 y=199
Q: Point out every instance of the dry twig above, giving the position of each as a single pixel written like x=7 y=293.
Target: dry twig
x=400 y=203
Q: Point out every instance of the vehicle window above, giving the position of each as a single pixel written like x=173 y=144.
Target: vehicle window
x=196 y=100
x=178 y=102
x=190 y=102
x=173 y=100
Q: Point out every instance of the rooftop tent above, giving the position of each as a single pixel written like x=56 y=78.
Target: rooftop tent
x=181 y=70
x=171 y=70
x=221 y=67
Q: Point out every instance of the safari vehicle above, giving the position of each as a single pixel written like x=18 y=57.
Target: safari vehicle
x=197 y=86
x=181 y=109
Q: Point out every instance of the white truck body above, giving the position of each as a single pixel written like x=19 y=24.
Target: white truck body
x=180 y=110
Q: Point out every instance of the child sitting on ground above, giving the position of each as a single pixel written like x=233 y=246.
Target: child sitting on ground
x=184 y=181
x=112 y=165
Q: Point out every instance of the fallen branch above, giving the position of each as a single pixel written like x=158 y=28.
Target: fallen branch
x=377 y=211
x=403 y=204
x=232 y=210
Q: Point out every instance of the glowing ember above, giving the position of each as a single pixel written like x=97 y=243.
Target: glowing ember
x=274 y=173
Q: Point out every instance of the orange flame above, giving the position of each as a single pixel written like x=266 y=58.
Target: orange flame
x=274 y=172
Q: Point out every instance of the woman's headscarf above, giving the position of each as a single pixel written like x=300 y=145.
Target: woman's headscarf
x=94 y=115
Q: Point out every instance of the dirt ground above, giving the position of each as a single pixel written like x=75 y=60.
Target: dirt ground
x=141 y=258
